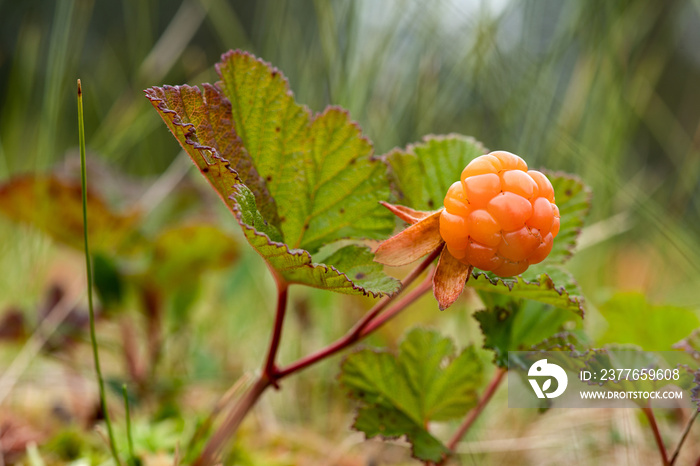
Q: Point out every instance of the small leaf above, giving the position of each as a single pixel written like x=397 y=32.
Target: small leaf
x=55 y=207
x=517 y=325
x=390 y=424
x=423 y=172
x=401 y=395
x=544 y=283
x=631 y=319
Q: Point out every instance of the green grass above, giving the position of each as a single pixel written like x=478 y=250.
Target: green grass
x=606 y=90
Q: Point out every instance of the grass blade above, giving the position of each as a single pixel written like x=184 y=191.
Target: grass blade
x=88 y=265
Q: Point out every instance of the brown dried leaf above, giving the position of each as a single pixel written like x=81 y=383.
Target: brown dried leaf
x=449 y=279
x=406 y=214
x=412 y=243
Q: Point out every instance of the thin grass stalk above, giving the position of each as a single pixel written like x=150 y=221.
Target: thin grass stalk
x=88 y=266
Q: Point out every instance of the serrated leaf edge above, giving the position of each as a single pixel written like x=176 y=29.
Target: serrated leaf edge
x=190 y=138
x=303 y=252
x=561 y=290
x=357 y=410
x=588 y=193
x=428 y=138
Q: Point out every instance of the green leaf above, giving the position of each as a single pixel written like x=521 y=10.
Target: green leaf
x=295 y=183
x=631 y=319
x=296 y=265
x=54 y=206
x=518 y=325
x=401 y=395
x=542 y=282
x=184 y=251
x=423 y=172
x=390 y=424
x=574 y=200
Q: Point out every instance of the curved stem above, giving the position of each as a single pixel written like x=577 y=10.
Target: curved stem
x=232 y=421
x=269 y=368
x=413 y=295
x=369 y=323
x=268 y=377
x=657 y=435
x=271 y=374
x=474 y=413
x=686 y=431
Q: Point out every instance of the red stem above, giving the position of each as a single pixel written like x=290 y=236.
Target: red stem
x=474 y=413
x=686 y=431
x=369 y=323
x=657 y=435
x=270 y=368
x=410 y=297
x=231 y=423
x=271 y=374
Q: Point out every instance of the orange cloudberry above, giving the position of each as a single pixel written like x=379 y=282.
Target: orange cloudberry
x=500 y=216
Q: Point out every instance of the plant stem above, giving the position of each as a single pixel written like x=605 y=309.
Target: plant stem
x=132 y=459
x=413 y=295
x=270 y=367
x=474 y=413
x=369 y=323
x=657 y=435
x=88 y=265
x=267 y=378
x=271 y=374
x=686 y=431
x=232 y=421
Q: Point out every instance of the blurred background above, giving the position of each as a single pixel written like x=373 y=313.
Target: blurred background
x=605 y=90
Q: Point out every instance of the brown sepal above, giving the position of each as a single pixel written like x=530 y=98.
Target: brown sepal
x=407 y=214
x=450 y=277
x=412 y=243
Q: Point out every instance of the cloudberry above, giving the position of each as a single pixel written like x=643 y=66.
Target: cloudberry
x=500 y=217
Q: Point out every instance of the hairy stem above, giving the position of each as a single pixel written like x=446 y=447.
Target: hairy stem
x=369 y=322
x=88 y=266
x=686 y=431
x=474 y=413
x=657 y=435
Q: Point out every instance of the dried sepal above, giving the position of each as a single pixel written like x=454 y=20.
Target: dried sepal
x=450 y=277
x=412 y=243
x=406 y=214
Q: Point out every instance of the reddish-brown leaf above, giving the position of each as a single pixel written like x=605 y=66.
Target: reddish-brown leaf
x=449 y=279
x=412 y=243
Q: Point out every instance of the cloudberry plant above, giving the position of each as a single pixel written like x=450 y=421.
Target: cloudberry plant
x=500 y=216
